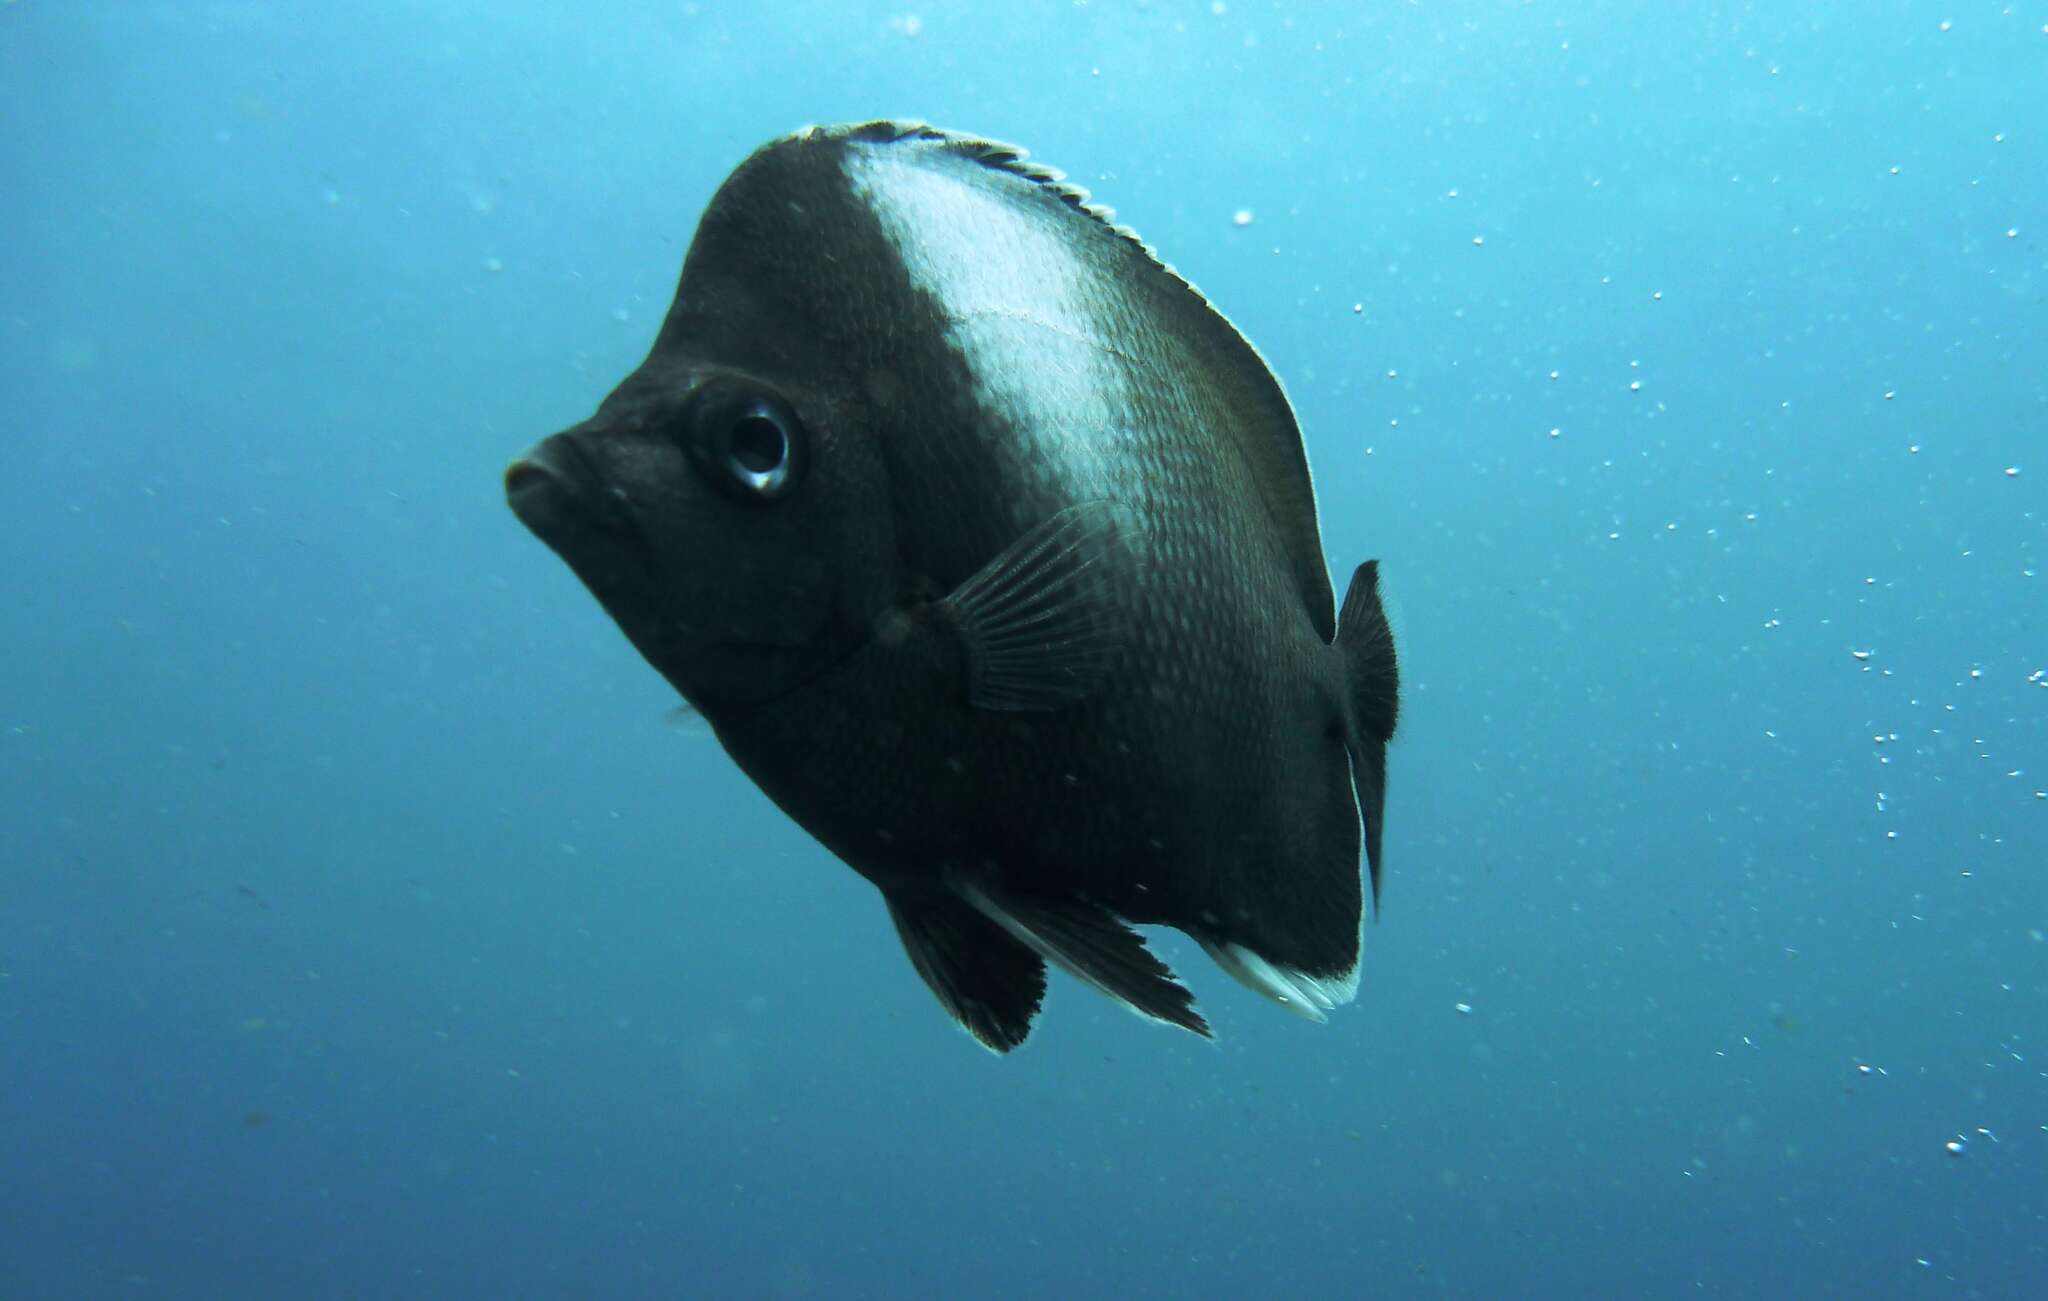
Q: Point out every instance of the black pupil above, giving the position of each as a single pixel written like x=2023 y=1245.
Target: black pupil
x=758 y=446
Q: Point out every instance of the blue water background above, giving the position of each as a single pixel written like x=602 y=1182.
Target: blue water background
x=367 y=931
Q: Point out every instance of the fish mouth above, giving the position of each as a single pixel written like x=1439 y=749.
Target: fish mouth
x=561 y=496
x=550 y=487
x=558 y=492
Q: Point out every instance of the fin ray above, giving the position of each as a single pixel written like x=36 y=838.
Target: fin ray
x=1039 y=623
x=987 y=981
x=1307 y=996
x=1086 y=942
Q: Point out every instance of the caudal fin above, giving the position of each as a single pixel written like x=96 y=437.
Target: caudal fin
x=1373 y=681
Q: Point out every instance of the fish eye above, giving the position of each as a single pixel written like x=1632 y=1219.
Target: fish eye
x=747 y=443
x=759 y=446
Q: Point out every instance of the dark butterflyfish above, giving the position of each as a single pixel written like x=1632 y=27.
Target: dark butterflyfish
x=987 y=548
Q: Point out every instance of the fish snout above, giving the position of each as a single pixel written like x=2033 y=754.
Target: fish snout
x=542 y=486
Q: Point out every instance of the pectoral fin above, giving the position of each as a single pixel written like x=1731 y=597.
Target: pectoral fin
x=1040 y=622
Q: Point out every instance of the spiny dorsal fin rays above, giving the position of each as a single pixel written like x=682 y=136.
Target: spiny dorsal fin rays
x=1014 y=159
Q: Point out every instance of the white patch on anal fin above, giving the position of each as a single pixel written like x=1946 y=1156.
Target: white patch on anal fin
x=1044 y=948
x=1297 y=991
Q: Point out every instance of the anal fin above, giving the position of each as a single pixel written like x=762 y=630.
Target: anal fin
x=1087 y=942
x=989 y=982
x=1296 y=990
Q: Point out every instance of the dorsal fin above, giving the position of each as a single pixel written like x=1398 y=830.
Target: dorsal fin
x=1270 y=443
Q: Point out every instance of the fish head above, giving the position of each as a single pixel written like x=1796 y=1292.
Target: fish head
x=730 y=502
x=699 y=505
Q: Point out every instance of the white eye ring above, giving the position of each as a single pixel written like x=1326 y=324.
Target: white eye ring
x=758 y=452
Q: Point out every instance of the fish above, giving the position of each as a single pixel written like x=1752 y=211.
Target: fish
x=987 y=548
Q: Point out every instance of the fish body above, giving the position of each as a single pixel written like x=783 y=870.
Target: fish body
x=988 y=550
